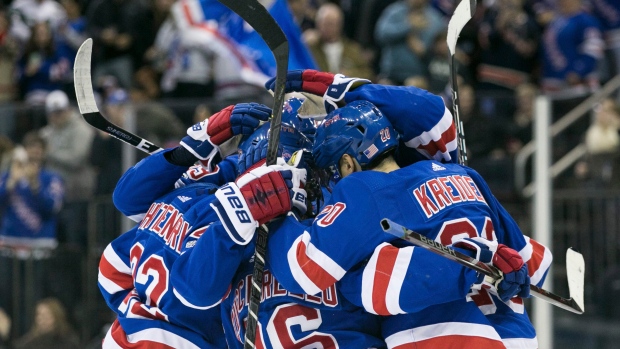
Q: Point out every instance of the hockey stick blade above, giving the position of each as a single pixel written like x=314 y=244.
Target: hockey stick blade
x=88 y=107
x=575 y=267
x=462 y=14
x=257 y=16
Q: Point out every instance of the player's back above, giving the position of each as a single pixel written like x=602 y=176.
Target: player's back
x=289 y=320
x=440 y=201
x=152 y=252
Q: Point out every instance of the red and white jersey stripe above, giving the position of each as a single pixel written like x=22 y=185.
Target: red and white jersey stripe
x=383 y=278
x=538 y=258
x=311 y=268
x=150 y=338
x=447 y=335
x=114 y=274
x=438 y=142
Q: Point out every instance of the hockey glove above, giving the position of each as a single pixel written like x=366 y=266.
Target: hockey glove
x=331 y=87
x=204 y=138
x=257 y=197
x=255 y=156
x=515 y=280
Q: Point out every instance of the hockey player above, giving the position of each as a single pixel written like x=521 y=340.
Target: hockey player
x=348 y=325
x=153 y=276
x=438 y=141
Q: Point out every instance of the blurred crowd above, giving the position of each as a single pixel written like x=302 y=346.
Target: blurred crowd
x=53 y=164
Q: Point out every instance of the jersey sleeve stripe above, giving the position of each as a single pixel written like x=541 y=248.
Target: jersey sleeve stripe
x=115 y=260
x=399 y=273
x=446 y=335
x=152 y=338
x=383 y=278
x=538 y=259
x=313 y=270
x=438 y=142
x=114 y=276
x=373 y=282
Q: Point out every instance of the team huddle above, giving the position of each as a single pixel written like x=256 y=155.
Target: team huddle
x=182 y=277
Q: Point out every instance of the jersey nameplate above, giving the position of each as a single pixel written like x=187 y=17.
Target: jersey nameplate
x=167 y=222
x=437 y=193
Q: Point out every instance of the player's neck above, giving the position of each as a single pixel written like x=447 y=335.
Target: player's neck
x=387 y=165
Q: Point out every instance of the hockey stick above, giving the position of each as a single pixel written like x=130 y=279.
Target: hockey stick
x=575 y=267
x=257 y=16
x=462 y=14
x=88 y=107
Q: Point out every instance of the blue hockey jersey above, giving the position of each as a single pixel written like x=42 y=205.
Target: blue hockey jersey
x=202 y=274
x=296 y=320
x=154 y=176
x=442 y=201
x=156 y=279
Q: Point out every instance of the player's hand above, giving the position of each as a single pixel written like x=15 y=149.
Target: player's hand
x=204 y=138
x=255 y=156
x=515 y=280
x=257 y=197
x=331 y=86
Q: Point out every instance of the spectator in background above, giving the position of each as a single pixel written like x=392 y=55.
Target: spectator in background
x=602 y=135
x=331 y=50
x=69 y=140
x=405 y=32
x=608 y=13
x=30 y=198
x=572 y=46
x=42 y=67
x=603 y=144
x=25 y=14
x=120 y=30
x=508 y=39
x=9 y=49
x=50 y=330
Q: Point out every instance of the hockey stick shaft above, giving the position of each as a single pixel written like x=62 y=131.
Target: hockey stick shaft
x=257 y=16
x=462 y=14
x=88 y=107
x=420 y=240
